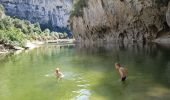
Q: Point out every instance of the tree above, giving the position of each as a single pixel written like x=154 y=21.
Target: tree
x=47 y=31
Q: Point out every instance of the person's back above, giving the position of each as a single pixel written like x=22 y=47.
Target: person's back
x=122 y=71
x=58 y=73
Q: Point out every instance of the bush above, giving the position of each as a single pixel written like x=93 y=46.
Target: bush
x=17 y=23
x=6 y=23
x=47 y=32
x=1 y=11
x=14 y=31
x=36 y=28
x=1 y=8
x=12 y=36
x=78 y=8
x=162 y=2
x=2 y=26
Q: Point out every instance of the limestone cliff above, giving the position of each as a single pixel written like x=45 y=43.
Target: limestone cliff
x=123 y=20
x=49 y=13
x=2 y=14
x=168 y=15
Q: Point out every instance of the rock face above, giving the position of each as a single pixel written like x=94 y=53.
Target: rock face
x=168 y=15
x=120 y=20
x=49 y=13
x=2 y=14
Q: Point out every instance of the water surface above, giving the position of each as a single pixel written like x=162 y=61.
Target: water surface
x=89 y=73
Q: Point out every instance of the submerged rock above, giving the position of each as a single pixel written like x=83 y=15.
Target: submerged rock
x=120 y=20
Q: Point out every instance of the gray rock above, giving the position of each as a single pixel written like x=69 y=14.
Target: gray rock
x=116 y=20
x=2 y=48
x=18 y=48
x=168 y=15
x=53 y=13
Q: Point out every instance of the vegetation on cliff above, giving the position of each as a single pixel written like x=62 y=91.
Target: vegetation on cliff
x=162 y=2
x=15 y=32
x=78 y=7
x=119 y=20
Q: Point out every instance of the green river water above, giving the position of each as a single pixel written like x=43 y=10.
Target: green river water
x=89 y=73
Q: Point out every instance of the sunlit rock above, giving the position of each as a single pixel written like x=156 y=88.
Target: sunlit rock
x=168 y=15
x=49 y=13
x=119 y=20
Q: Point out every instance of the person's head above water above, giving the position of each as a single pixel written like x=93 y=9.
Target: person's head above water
x=117 y=65
x=57 y=70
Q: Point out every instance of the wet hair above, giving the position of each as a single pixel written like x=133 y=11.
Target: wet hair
x=117 y=64
x=57 y=69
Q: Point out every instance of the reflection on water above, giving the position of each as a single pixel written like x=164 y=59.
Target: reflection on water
x=89 y=73
x=83 y=94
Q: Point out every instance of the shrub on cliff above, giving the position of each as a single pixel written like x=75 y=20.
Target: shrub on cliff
x=162 y=2
x=26 y=26
x=2 y=26
x=36 y=28
x=1 y=8
x=46 y=31
x=14 y=31
x=12 y=36
x=78 y=7
x=1 y=11
x=6 y=23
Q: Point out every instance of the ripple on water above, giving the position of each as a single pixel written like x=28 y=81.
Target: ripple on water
x=83 y=94
x=67 y=75
x=49 y=75
x=83 y=85
x=82 y=82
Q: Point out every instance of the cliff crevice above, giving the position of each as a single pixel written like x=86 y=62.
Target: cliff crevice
x=50 y=14
x=121 y=20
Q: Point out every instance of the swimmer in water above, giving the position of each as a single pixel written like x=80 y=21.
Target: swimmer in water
x=58 y=73
x=122 y=71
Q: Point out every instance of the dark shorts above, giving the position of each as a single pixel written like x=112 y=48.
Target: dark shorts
x=123 y=78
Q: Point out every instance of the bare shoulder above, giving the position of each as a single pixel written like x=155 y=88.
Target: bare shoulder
x=123 y=68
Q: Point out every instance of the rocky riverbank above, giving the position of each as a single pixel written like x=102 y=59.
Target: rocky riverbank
x=18 y=35
x=5 y=48
x=52 y=14
x=164 y=38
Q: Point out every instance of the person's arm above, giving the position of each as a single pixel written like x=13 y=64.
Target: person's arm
x=61 y=74
x=121 y=73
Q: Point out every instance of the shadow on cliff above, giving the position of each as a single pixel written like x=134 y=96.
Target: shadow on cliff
x=57 y=29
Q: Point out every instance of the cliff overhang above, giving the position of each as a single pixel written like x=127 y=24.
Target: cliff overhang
x=121 y=20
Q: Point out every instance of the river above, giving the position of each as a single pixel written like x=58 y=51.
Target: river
x=89 y=73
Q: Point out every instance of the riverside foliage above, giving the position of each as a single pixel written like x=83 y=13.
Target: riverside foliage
x=14 y=31
x=78 y=7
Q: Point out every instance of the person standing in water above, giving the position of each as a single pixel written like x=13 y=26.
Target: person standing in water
x=122 y=71
x=58 y=73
